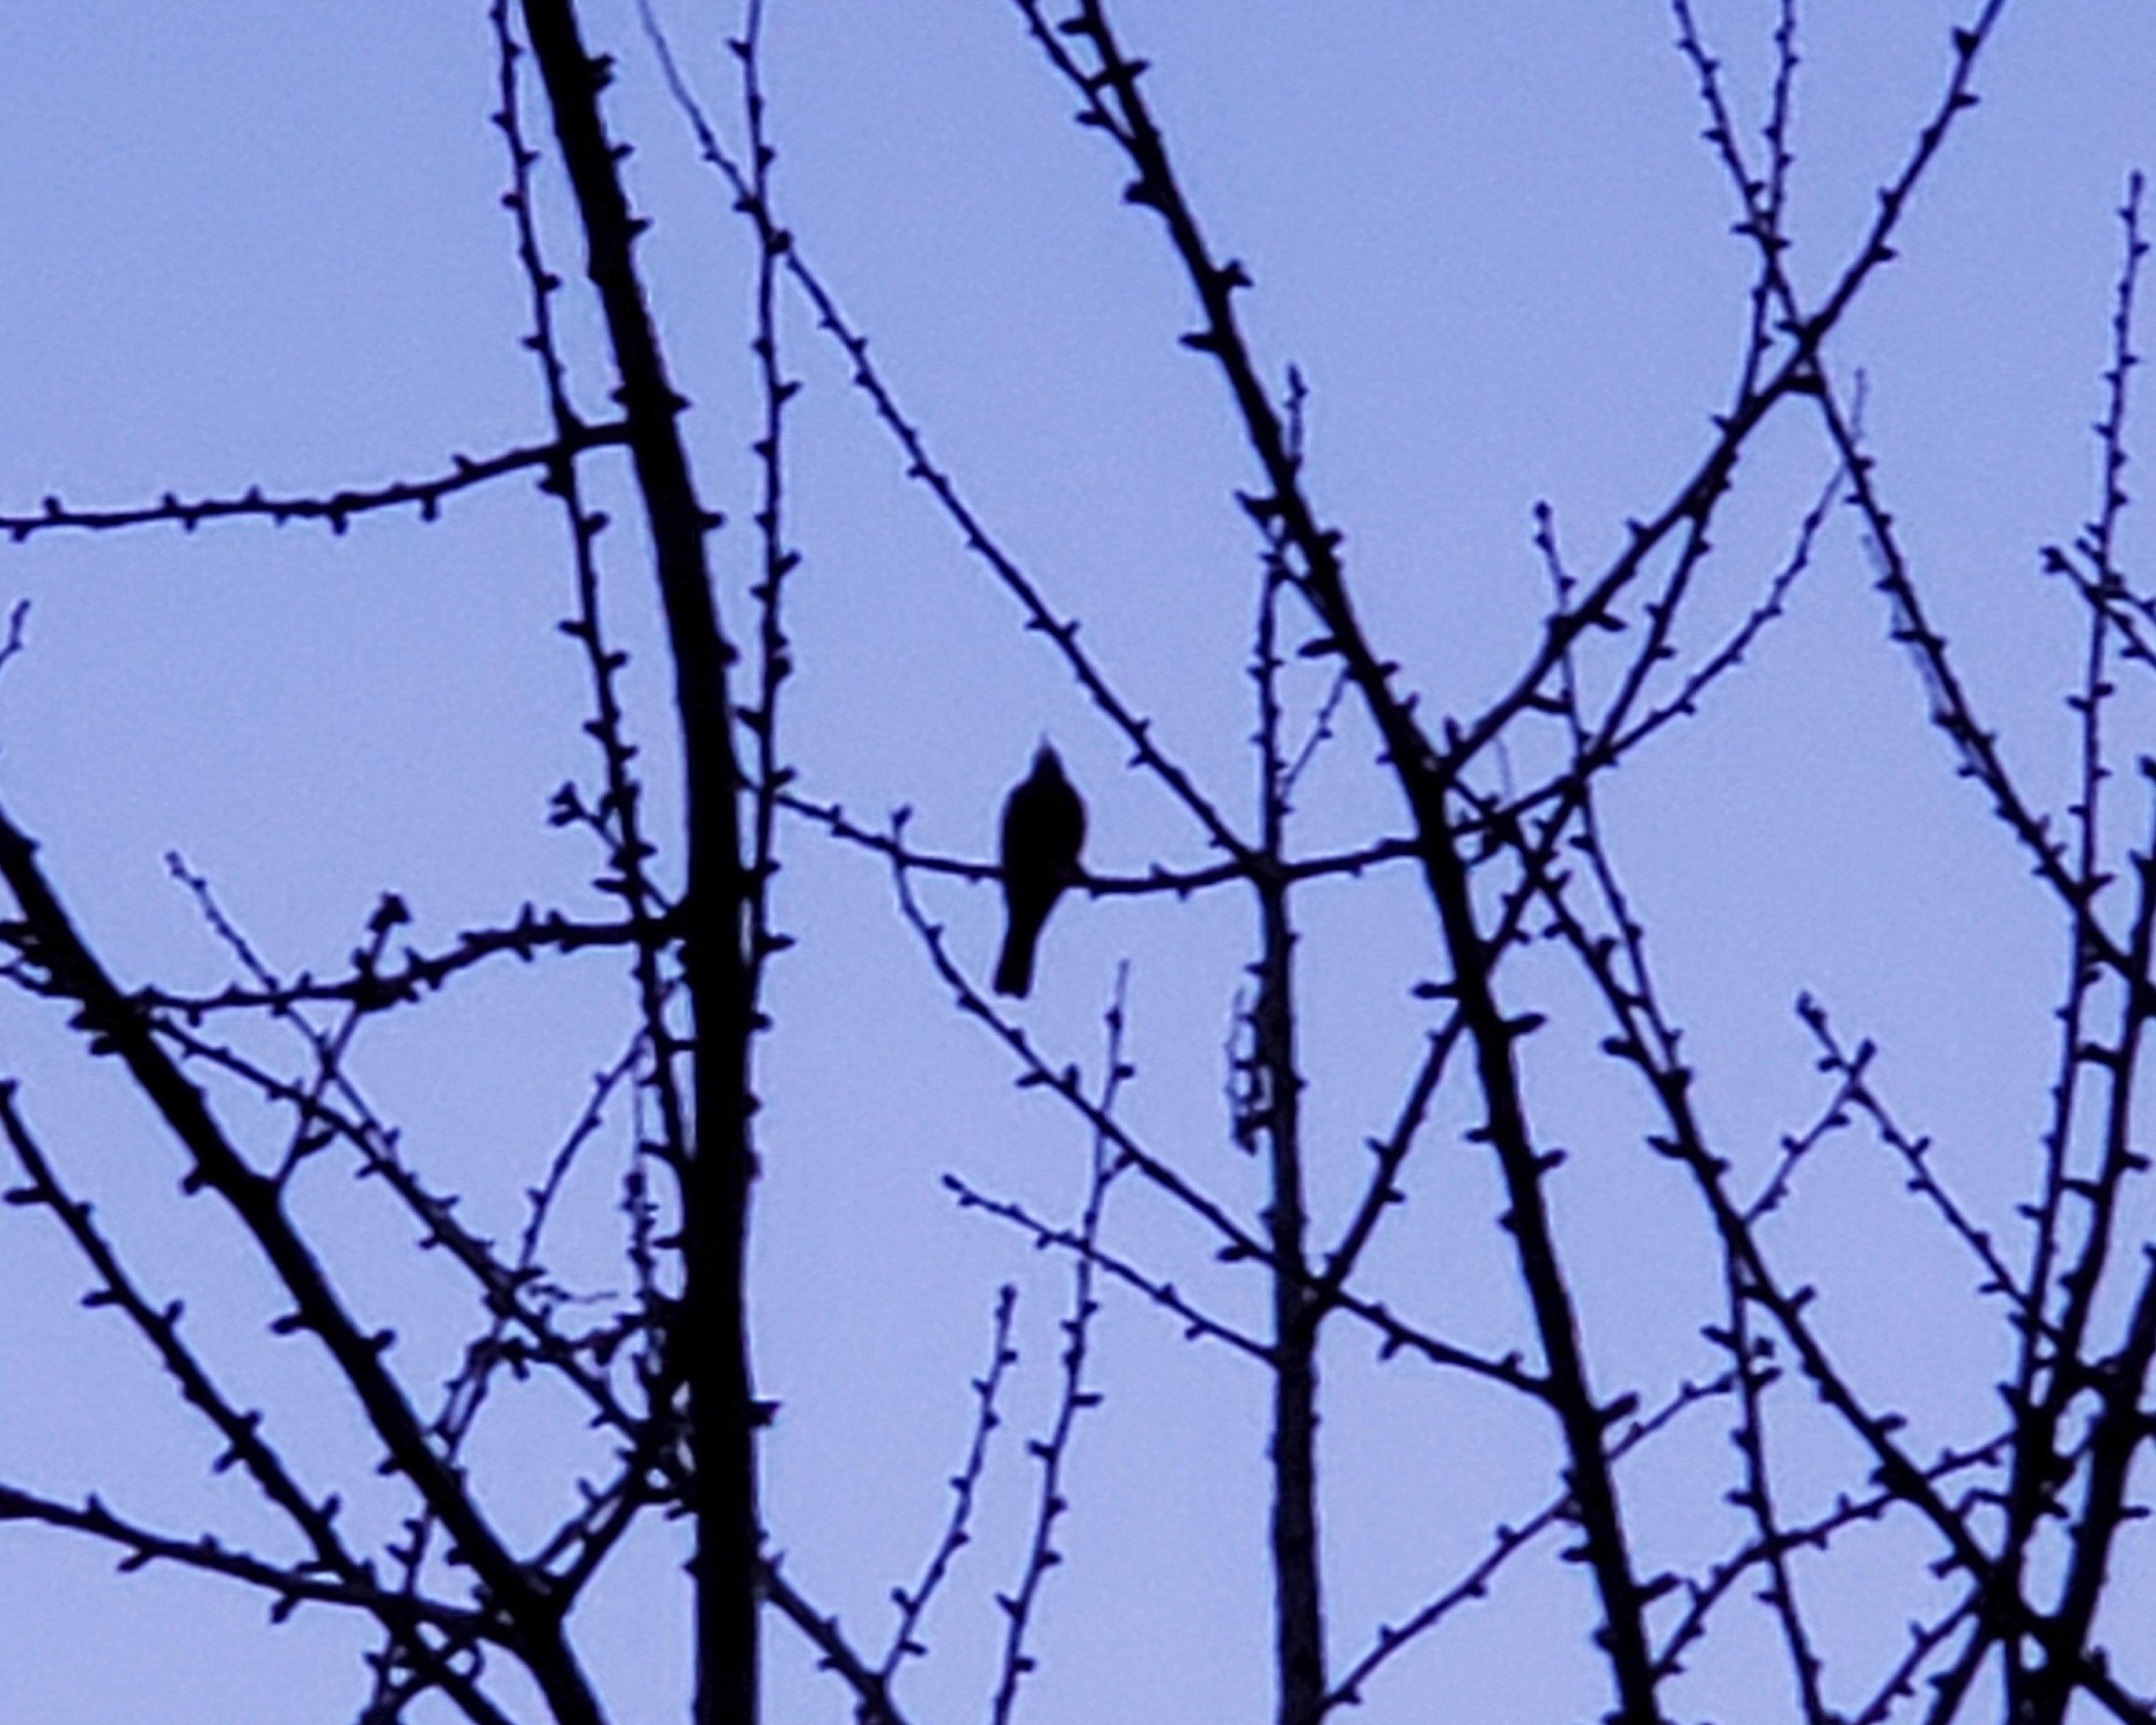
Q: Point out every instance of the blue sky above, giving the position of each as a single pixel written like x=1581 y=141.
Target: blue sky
x=262 y=244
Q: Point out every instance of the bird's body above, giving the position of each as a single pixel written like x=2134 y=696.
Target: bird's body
x=1044 y=831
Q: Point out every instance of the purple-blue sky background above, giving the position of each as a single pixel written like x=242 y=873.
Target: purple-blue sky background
x=261 y=243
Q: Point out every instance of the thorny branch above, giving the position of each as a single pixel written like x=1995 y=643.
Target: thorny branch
x=1076 y=1394
x=336 y=509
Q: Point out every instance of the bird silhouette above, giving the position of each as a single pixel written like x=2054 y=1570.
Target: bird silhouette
x=1044 y=830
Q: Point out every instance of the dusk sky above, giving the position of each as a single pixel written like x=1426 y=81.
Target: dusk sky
x=261 y=243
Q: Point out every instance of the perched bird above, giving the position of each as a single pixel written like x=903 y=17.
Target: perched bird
x=1044 y=830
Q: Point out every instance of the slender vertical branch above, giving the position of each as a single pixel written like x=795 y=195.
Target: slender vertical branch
x=2120 y=1430
x=713 y=1331
x=774 y=656
x=1053 y=1450
x=619 y=817
x=2118 y=1382
x=1299 y=1622
x=2043 y=1369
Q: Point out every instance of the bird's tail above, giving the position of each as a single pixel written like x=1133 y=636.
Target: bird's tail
x=1015 y=969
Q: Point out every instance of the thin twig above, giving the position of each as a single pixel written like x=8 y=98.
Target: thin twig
x=336 y=509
